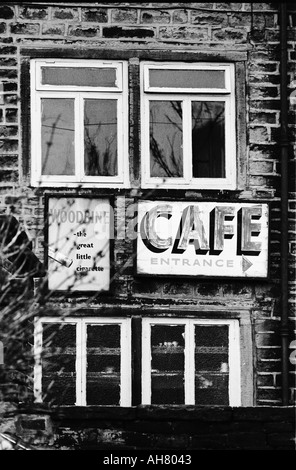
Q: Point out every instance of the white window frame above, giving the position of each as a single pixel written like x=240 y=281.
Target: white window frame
x=79 y=93
x=189 y=376
x=81 y=324
x=187 y=95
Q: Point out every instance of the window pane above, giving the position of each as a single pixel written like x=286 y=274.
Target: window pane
x=57 y=136
x=208 y=139
x=167 y=364
x=211 y=365
x=100 y=137
x=187 y=78
x=103 y=365
x=79 y=76
x=58 y=364
x=166 y=139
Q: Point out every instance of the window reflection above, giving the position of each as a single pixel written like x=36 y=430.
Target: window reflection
x=166 y=153
x=208 y=139
x=100 y=137
x=57 y=136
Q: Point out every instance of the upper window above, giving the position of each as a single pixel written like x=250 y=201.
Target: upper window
x=188 y=126
x=79 y=125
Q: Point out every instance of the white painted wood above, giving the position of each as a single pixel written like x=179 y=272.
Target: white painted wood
x=189 y=323
x=81 y=358
x=120 y=93
x=187 y=96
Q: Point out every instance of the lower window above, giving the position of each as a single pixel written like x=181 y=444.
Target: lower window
x=185 y=361
x=189 y=361
x=80 y=361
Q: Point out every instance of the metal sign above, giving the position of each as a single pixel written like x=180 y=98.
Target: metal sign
x=78 y=244
x=181 y=238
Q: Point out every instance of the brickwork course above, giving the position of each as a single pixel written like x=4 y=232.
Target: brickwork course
x=144 y=30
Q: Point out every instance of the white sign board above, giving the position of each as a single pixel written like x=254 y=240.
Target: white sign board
x=78 y=244
x=181 y=238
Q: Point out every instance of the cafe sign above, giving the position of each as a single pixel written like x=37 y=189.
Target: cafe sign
x=181 y=238
x=78 y=243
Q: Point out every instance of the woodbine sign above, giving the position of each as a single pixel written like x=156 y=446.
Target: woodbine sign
x=202 y=239
x=78 y=243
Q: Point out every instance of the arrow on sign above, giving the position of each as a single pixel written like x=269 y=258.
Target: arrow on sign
x=246 y=264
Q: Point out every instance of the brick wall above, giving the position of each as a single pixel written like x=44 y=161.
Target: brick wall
x=196 y=27
x=148 y=429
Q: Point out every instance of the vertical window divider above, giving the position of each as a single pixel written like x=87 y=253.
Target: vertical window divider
x=80 y=363
x=146 y=363
x=187 y=140
x=125 y=363
x=189 y=363
x=79 y=136
x=38 y=360
x=234 y=364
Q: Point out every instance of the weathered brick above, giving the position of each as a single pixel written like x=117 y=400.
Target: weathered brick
x=272 y=394
x=228 y=6
x=263 y=118
x=8 y=62
x=8 y=131
x=8 y=161
x=264 y=78
x=266 y=380
x=53 y=29
x=183 y=32
x=65 y=13
x=259 y=134
x=209 y=19
x=260 y=66
x=25 y=28
x=180 y=16
x=2 y=28
x=128 y=16
x=125 y=32
x=268 y=182
x=265 y=104
x=7 y=13
x=261 y=91
x=95 y=15
x=8 y=146
x=155 y=16
x=228 y=34
x=237 y=20
x=11 y=99
x=83 y=31
x=8 y=175
x=261 y=167
x=8 y=50
x=33 y=13
x=11 y=115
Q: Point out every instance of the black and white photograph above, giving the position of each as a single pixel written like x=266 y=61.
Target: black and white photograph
x=147 y=230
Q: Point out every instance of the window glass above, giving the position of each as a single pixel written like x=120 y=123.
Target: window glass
x=58 y=364
x=166 y=155
x=208 y=139
x=103 y=365
x=100 y=137
x=79 y=76
x=173 y=78
x=57 y=136
x=211 y=365
x=167 y=364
